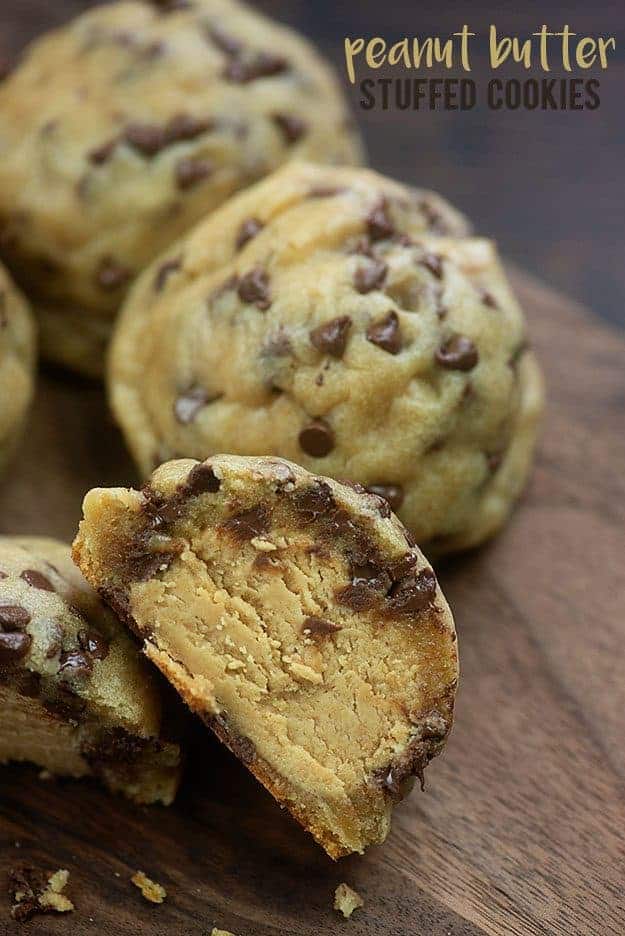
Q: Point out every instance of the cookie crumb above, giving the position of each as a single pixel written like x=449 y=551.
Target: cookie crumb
x=346 y=900
x=34 y=891
x=149 y=889
x=218 y=932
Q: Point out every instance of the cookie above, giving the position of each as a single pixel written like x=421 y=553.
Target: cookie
x=358 y=332
x=295 y=617
x=76 y=696
x=122 y=129
x=17 y=364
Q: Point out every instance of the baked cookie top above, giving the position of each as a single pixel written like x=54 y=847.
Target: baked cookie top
x=123 y=128
x=17 y=362
x=344 y=321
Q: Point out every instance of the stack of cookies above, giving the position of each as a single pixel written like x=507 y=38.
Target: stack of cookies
x=318 y=371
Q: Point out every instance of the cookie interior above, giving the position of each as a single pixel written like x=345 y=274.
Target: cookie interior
x=279 y=605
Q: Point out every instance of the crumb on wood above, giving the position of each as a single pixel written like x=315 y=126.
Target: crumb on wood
x=35 y=891
x=149 y=889
x=346 y=900
x=218 y=932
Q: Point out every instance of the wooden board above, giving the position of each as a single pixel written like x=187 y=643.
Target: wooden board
x=521 y=828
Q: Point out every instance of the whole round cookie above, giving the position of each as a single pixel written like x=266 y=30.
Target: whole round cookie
x=17 y=364
x=76 y=697
x=322 y=316
x=296 y=617
x=122 y=129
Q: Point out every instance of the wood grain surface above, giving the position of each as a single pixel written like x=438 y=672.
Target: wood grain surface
x=521 y=830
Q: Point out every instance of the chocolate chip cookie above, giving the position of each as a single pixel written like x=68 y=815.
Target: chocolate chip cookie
x=122 y=129
x=76 y=697
x=17 y=364
x=294 y=614
x=343 y=321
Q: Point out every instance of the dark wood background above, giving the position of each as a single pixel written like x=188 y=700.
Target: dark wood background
x=550 y=186
x=521 y=831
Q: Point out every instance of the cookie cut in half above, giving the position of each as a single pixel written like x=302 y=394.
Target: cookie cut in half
x=76 y=696
x=294 y=614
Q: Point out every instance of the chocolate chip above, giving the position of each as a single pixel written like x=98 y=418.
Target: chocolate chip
x=314 y=501
x=189 y=404
x=14 y=617
x=317 y=626
x=353 y=485
x=358 y=597
x=202 y=480
x=103 y=153
x=4 y=316
x=254 y=288
x=182 y=127
x=116 y=745
x=433 y=263
x=93 y=644
x=392 y=493
x=223 y=41
x=112 y=275
x=457 y=353
x=379 y=224
x=386 y=333
x=433 y=217
x=292 y=128
x=190 y=171
x=250 y=523
x=54 y=633
x=172 y=6
x=13 y=646
x=331 y=337
x=247 y=231
x=261 y=65
x=243 y=747
x=75 y=663
x=317 y=438
x=148 y=139
x=370 y=277
x=3 y=575
x=164 y=272
x=413 y=593
x=494 y=461
x=326 y=191
x=488 y=299
x=37 y=580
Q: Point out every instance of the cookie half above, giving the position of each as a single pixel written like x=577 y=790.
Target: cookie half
x=123 y=128
x=294 y=614
x=77 y=698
